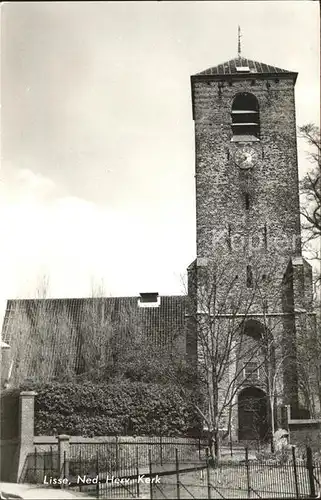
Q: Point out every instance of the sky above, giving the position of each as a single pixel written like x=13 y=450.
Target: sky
x=97 y=137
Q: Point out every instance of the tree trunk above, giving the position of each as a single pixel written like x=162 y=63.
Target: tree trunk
x=214 y=446
x=319 y=391
x=211 y=447
x=217 y=448
x=272 y=425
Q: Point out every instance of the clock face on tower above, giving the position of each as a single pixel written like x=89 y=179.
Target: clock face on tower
x=245 y=157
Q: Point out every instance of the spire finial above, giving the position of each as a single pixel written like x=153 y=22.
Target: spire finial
x=239 y=42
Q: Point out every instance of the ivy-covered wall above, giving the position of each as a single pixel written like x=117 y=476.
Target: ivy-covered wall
x=123 y=408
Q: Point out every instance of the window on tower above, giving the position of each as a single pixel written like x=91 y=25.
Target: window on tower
x=249 y=277
x=245 y=118
x=251 y=370
x=229 y=241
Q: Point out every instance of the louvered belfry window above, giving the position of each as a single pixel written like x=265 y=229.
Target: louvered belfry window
x=245 y=117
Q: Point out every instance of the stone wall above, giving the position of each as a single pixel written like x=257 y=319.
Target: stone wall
x=303 y=432
x=306 y=433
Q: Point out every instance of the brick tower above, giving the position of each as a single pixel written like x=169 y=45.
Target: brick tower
x=247 y=208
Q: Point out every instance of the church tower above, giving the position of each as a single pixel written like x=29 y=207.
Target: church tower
x=247 y=203
x=246 y=161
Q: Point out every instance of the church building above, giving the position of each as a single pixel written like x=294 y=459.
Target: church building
x=247 y=230
x=248 y=225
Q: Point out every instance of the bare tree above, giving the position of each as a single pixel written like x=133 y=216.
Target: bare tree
x=311 y=195
x=97 y=339
x=226 y=354
x=116 y=343
x=309 y=363
x=275 y=353
x=42 y=339
x=309 y=346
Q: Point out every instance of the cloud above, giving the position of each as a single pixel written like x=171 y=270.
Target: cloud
x=118 y=98
x=74 y=241
x=34 y=181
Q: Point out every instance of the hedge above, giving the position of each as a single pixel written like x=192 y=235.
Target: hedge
x=125 y=408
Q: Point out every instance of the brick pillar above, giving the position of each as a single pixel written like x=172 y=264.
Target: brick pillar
x=26 y=426
x=64 y=454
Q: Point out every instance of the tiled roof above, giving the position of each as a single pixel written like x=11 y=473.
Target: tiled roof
x=159 y=322
x=229 y=68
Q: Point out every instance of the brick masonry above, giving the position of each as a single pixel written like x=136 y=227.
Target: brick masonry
x=266 y=234
x=302 y=432
x=273 y=182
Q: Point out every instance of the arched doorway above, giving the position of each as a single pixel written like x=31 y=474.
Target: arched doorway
x=253 y=414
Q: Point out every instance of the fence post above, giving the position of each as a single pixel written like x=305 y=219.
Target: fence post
x=44 y=464
x=310 y=472
x=161 y=450
x=295 y=472
x=80 y=469
x=199 y=447
x=117 y=452
x=208 y=475
x=137 y=471
x=247 y=472
x=177 y=475
x=65 y=466
x=97 y=472
x=63 y=454
x=35 y=475
x=150 y=474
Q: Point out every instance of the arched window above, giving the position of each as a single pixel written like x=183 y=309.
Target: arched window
x=245 y=118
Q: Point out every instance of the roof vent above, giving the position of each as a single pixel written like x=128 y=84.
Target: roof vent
x=243 y=69
x=149 y=299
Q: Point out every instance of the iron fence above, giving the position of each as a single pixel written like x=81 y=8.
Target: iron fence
x=264 y=479
x=40 y=466
x=121 y=455
x=137 y=479
x=109 y=471
x=288 y=478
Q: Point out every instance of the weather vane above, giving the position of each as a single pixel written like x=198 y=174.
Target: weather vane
x=239 y=41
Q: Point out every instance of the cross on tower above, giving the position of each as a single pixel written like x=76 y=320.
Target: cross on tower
x=239 y=41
